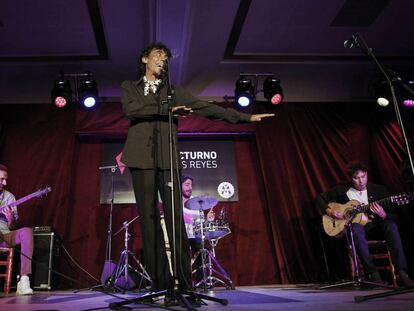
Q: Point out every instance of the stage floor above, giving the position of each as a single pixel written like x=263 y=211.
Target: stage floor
x=268 y=297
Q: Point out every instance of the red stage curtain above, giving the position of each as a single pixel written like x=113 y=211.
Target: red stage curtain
x=282 y=164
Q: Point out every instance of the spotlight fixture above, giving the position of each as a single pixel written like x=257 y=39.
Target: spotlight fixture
x=247 y=88
x=61 y=92
x=244 y=92
x=88 y=92
x=272 y=90
x=408 y=97
x=382 y=93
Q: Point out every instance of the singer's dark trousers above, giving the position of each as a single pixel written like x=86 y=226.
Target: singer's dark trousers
x=146 y=184
x=379 y=229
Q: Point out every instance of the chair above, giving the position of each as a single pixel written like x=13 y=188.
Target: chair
x=6 y=260
x=381 y=257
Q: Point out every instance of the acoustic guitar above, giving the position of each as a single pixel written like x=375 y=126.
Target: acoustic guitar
x=357 y=213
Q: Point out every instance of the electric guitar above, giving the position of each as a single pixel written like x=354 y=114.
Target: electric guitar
x=357 y=213
x=37 y=194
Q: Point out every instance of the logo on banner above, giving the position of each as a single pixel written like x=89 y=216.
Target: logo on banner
x=225 y=190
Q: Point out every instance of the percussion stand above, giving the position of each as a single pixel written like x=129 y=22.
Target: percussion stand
x=207 y=260
x=125 y=267
x=109 y=284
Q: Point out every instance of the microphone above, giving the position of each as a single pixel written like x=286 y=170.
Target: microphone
x=350 y=43
x=164 y=67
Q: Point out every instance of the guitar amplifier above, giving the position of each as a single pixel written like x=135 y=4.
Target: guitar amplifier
x=43 y=229
x=45 y=257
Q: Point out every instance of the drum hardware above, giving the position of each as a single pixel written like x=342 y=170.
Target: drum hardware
x=202 y=202
x=109 y=284
x=213 y=272
x=123 y=267
x=213 y=230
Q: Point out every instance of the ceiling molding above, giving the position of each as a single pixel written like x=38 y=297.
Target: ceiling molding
x=308 y=58
x=231 y=56
x=99 y=34
x=359 y=13
x=238 y=23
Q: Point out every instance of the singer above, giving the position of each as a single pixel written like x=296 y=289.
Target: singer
x=146 y=153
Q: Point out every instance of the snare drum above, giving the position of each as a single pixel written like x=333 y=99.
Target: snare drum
x=212 y=230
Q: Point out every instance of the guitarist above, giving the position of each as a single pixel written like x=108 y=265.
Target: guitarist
x=11 y=238
x=379 y=221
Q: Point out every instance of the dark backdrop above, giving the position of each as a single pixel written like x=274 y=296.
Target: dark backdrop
x=281 y=165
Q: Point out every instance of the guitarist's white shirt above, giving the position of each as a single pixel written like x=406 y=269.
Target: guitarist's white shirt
x=360 y=196
x=5 y=199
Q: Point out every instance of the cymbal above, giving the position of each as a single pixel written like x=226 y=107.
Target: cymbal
x=203 y=201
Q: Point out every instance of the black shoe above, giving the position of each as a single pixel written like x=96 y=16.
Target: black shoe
x=375 y=277
x=404 y=280
x=195 y=301
x=171 y=300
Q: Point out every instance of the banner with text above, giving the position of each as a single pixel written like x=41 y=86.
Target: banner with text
x=211 y=163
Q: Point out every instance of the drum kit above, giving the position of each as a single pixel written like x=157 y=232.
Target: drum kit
x=209 y=232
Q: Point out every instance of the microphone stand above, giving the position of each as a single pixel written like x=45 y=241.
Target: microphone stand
x=357 y=279
x=176 y=293
x=109 y=284
x=361 y=44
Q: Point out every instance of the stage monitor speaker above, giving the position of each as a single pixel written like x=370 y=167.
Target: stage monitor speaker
x=45 y=257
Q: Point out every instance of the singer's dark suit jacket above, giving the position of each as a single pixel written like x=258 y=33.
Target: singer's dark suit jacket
x=148 y=132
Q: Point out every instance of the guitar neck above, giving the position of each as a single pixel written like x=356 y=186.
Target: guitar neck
x=365 y=208
x=21 y=200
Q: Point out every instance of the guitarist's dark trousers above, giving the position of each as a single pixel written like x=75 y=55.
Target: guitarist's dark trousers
x=379 y=229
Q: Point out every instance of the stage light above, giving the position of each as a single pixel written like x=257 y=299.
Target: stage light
x=272 y=90
x=61 y=93
x=244 y=92
x=408 y=102
x=408 y=97
x=382 y=93
x=88 y=92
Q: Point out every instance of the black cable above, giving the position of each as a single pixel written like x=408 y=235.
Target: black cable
x=46 y=267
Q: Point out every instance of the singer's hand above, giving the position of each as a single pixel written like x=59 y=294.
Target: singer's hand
x=259 y=117
x=181 y=111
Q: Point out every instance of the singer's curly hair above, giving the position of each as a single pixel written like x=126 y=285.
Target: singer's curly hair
x=147 y=50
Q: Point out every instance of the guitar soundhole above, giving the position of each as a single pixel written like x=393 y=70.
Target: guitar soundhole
x=348 y=213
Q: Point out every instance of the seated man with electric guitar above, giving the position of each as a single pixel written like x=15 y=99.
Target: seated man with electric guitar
x=11 y=238
x=363 y=203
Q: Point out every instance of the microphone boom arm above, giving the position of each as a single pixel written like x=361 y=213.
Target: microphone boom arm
x=361 y=44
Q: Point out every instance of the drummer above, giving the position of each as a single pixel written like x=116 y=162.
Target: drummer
x=191 y=217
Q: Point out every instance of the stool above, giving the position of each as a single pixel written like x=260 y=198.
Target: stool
x=7 y=262
x=381 y=257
